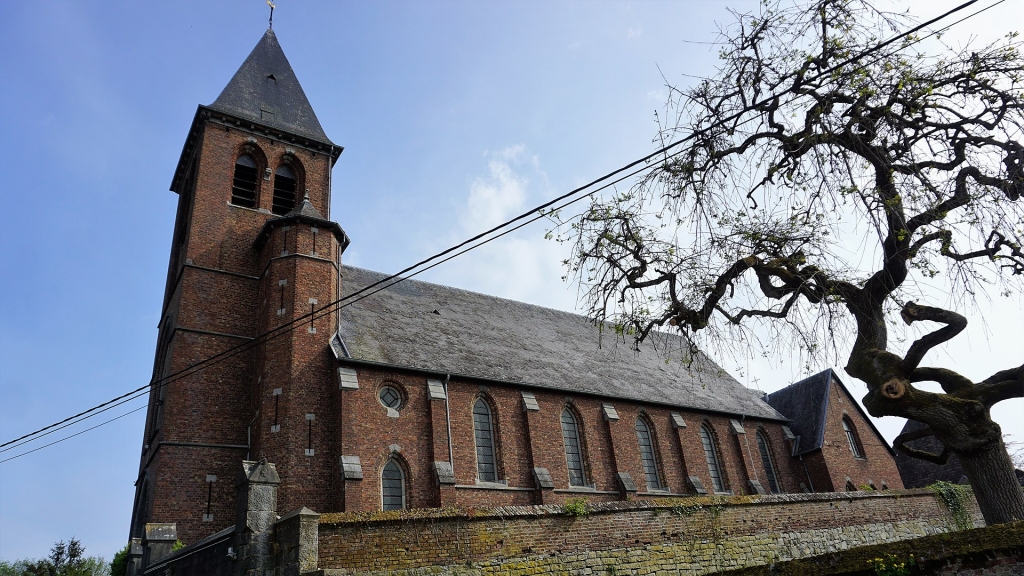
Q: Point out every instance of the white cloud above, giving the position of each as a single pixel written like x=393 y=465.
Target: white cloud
x=522 y=265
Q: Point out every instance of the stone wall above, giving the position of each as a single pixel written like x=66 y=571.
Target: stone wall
x=691 y=535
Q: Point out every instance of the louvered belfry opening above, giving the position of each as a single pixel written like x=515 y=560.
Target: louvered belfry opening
x=243 y=188
x=284 y=191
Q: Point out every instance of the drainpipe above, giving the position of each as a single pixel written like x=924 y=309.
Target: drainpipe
x=448 y=420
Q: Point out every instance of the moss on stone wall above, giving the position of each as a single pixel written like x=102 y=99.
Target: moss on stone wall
x=973 y=546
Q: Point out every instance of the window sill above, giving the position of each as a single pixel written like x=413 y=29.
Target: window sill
x=583 y=490
x=492 y=486
x=257 y=210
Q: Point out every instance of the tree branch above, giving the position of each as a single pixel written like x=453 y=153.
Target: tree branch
x=911 y=313
x=900 y=441
x=1002 y=385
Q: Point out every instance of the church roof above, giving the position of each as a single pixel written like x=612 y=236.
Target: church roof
x=303 y=212
x=806 y=404
x=265 y=90
x=446 y=330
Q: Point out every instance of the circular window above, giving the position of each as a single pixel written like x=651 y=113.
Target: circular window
x=390 y=397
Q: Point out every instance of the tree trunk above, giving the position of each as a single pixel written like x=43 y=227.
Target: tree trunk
x=990 y=471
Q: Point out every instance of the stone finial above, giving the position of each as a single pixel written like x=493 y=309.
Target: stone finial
x=261 y=472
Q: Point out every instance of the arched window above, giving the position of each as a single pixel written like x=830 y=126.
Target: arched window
x=284 y=190
x=243 y=188
x=707 y=438
x=392 y=486
x=766 y=461
x=483 y=433
x=851 y=438
x=573 y=448
x=647 y=454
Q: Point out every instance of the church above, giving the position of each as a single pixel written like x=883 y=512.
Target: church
x=412 y=395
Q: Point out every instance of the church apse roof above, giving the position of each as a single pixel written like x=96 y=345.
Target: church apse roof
x=265 y=90
x=440 y=329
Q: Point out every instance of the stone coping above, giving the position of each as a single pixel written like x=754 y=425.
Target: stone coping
x=537 y=511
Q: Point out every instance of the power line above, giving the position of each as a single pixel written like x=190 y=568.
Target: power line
x=458 y=249
x=72 y=435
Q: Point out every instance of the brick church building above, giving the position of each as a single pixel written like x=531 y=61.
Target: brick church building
x=421 y=395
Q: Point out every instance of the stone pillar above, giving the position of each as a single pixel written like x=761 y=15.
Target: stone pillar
x=254 y=522
x=135 y=553
x=297 y=536
x=157 y=542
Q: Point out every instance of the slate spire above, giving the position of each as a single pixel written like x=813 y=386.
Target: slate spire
x=265 y=90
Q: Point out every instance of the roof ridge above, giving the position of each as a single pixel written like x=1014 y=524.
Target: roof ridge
x=467 y=291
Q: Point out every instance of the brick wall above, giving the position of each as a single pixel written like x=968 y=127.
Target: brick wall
x=696 y=535
x=214 y=301
x=530 y=439
x=878 y=464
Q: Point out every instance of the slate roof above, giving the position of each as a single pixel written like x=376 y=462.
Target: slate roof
x=303 y=212
x=806 y=404
x=266 y=91
x=446 y=330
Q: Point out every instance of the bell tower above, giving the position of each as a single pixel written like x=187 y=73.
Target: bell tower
x=252 y=252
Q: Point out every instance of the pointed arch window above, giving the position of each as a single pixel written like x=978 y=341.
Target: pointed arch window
x=851 y=438
x=648 y=456
x=243 y=187
x=284 y=190
x=707 y=438
x=483 y=433
x=766 y=460
x=392 y=486
x=573 y=448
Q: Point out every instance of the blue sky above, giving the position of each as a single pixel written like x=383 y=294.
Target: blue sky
x=454 y=116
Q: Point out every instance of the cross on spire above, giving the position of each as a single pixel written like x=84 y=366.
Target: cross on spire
x=272 y=6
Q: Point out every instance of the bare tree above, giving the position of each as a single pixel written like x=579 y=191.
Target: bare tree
x=815 y=194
